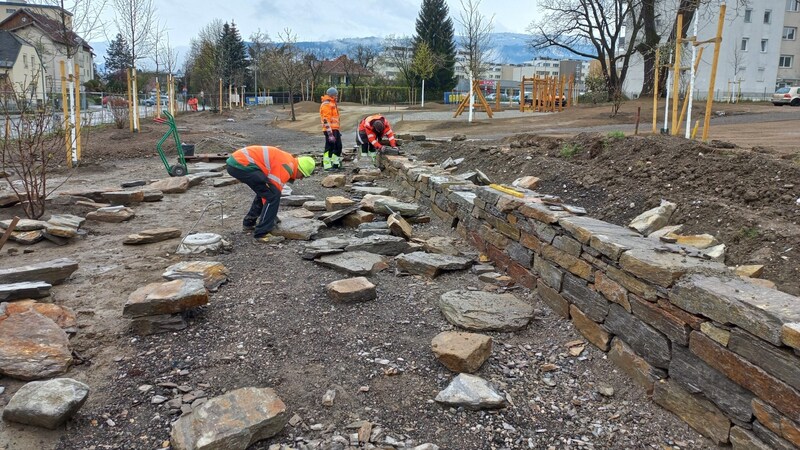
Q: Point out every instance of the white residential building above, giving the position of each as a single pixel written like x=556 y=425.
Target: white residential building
x=751 y=49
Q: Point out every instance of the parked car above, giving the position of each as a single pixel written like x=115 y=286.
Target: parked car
x=493 y=97
x=113 y=100
x=152 y=101
x=786 y=96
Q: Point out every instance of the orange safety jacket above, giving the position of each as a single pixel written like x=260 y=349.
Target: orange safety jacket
x=329 y=114
x=278 y=165
x=366 y=127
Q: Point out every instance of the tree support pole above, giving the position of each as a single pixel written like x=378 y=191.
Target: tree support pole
x=656 y=68
x=676 y=75
x=714 y=62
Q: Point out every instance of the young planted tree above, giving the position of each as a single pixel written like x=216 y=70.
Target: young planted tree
x=423 y=65
x=135 y=20
x=258 y=52
x=287 y=61
x=569 y=24
x=435 y=27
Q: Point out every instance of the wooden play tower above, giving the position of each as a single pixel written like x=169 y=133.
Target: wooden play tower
x=547 y=93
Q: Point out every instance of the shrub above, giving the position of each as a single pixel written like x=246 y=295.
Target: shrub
x=569 y=150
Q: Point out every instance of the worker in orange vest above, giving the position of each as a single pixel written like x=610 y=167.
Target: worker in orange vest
x=329 y=115
x=370 y=132
x=266 y=170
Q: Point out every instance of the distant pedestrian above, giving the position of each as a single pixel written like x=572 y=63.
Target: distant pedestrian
x=266 y=170
x=329 y=115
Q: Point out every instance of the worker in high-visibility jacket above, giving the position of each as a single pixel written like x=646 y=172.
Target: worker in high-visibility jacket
x=329 y=115
x=266 y=170
x=370 y=132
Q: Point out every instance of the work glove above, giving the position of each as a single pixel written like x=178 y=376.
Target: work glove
x=331 y=138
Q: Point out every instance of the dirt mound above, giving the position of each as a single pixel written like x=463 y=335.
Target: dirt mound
x=746 y=199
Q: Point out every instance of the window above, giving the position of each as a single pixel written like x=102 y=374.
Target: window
x=25 y=60
x=793 y=5
x=785 y=61
x=10 y=10
x=767 y=16
x=789 y=33
x=743 y=47
x=764 y=43
x=748 y=15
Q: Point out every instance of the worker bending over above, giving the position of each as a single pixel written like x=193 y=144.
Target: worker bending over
x=370 y=132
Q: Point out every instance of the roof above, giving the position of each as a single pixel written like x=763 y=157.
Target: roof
x=51 y=28
x=338 y=65
x=31 y=5
x=10 y=46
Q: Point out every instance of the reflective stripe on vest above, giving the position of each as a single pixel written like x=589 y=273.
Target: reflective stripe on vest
x=265 y=155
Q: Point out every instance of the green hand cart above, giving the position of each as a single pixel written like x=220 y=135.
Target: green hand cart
x=180 y=169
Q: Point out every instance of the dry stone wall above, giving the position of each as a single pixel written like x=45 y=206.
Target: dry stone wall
x=717 y=350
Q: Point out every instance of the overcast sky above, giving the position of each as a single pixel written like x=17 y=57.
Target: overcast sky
x=316 y=20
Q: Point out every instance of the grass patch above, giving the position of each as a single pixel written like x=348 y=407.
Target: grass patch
x=750 y=232
x=569 y=150
x=616 y=135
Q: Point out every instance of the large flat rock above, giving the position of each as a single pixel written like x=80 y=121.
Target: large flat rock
x=232 y=421
x=325 y=246
x=32 y=347
x=654 y=219
x=53 y=272
x=24 y=289
x=152 y=235
x=664 y=268
x=484 y=311
x=46 y=404
x=63 y=316
x=759 y=310
x=354 y=263
x=24 y=224
x=172 y=185
x=214 y=274
x=166 y=298
x=471 y=392
x=111 y=214
x=387 y=205
x=298 y=229
x=381 y=245
x=296 y=200
x=431 y=264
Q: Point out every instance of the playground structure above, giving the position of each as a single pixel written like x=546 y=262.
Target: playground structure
x=547 y=93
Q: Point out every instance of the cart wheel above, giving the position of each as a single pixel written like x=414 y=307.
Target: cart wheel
x=178 y=170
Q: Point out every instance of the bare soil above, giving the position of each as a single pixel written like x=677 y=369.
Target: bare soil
x=273 y=326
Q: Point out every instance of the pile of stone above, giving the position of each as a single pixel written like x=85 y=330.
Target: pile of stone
x=59 y=229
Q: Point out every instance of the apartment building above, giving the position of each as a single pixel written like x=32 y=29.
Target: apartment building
x=20 y=67
x=753 y=46
x=788 y=64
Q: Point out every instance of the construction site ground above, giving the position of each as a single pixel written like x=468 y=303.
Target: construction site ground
x=273 y=326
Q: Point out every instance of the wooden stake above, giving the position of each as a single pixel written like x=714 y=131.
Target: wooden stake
x=220 y=96
x=8 y=232
x=686 y=97
x=694 y=131
x=638 y=116
x=677 y=74
x=77 y=114
x=158 y=96
x=65 y=101
x=571 y=90
x=130 y=102
x=656 y=68
x=714 y=62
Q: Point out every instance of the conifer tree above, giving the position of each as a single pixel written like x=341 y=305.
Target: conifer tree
x=118 y=56
x=435 y=27
x=233 y=55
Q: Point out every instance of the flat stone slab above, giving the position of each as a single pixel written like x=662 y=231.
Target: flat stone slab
x=381 y=245
x=53 y=272
x=335 y=215
x=471 y=392
x=664 y=268
x=24 y=224
x=198 y=177
x=172 y=185
x=374 y=190
x=66 y=220
x=27 y=237
x=654 y=219
x=315 y=205
x=441 y=245
x=351 y=290
x=299 y=213
x=46 y=404
x=111 y=214
x=334 y=181
x=232 y=421
x=759 y=310
x=431 y=264
x=163 y=323
x=354 y=263
x=8 y=199
x=299 y=229
x=462 y=352
x=338 y=202
x=484 y=311
x=63 y=317
x=387 y=205
x=356 y=218
x=325 y=246
x=152 y=195
x=214 y=274
x=24 y=289
x=166 y=298
x=399 y=227
x=206 y=167
x=60 y=232
x=152 y=235
x=225 y=181
x=32 y=347
x=296 y=200
x=123 y=197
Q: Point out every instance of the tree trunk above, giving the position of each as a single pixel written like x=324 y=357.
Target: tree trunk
x=291 y=104
x=647 y=48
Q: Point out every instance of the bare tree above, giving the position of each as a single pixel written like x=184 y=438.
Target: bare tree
x=314 y=60
x=287 y=60
x=360 y=62
x=159 y=33
x=570 y=24
x=135 y=20
x=475 y=38
x=258 y=51
x=398 y=52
